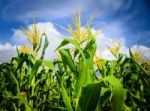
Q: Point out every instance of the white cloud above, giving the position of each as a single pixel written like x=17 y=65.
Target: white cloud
x=18 y=37
x=102 y=46
x=54 y=37
x=144 y=50
x=114 y=29
x=7 y=51
x=103 y=42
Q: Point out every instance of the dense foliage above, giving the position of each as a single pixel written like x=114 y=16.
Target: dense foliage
x=76 y=80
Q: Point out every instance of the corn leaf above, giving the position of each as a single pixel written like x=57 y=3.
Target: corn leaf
x=22 y=100
x=89 y=52
x=67 y=59
x=66 y=98
x=45 y=46
x=38 y=64
x=118 y=94
x=72 y=41
x=80 y=78
x=64 y=94
x=90 y=96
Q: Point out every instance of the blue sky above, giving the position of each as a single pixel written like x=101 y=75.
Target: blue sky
x=128 y=19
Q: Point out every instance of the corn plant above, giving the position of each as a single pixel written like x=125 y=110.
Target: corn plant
x=77 y=79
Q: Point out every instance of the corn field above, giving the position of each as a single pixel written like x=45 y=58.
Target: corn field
x=77 y=79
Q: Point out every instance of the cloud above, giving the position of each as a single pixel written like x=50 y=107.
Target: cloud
x=114 y=29
x=104 y=41
x=58 y=8
x=55 y=38
x=43 y=8
x=144 y=50
x=18 y=37
x=113 y=17
x=7 y=51
x=117 y=18
x=109 y=5
x=117 y=29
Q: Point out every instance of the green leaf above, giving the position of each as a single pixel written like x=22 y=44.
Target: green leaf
x=66 y=98
x=64 y=94
x=72 y=41
x=86 y=68
x=91 y=44
x=35 y=68
x=89 y=97
x=22 y=100
x=67 y=60
x=80 y=78
x=105 y=96
x=118 y=93
x=112 y=69
x=48 y=64
x=89 y=52
x=39 y=63
x=16 y=82
x=45 y=46
x=130 y=52
x=67 y=41
x=146 y=83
